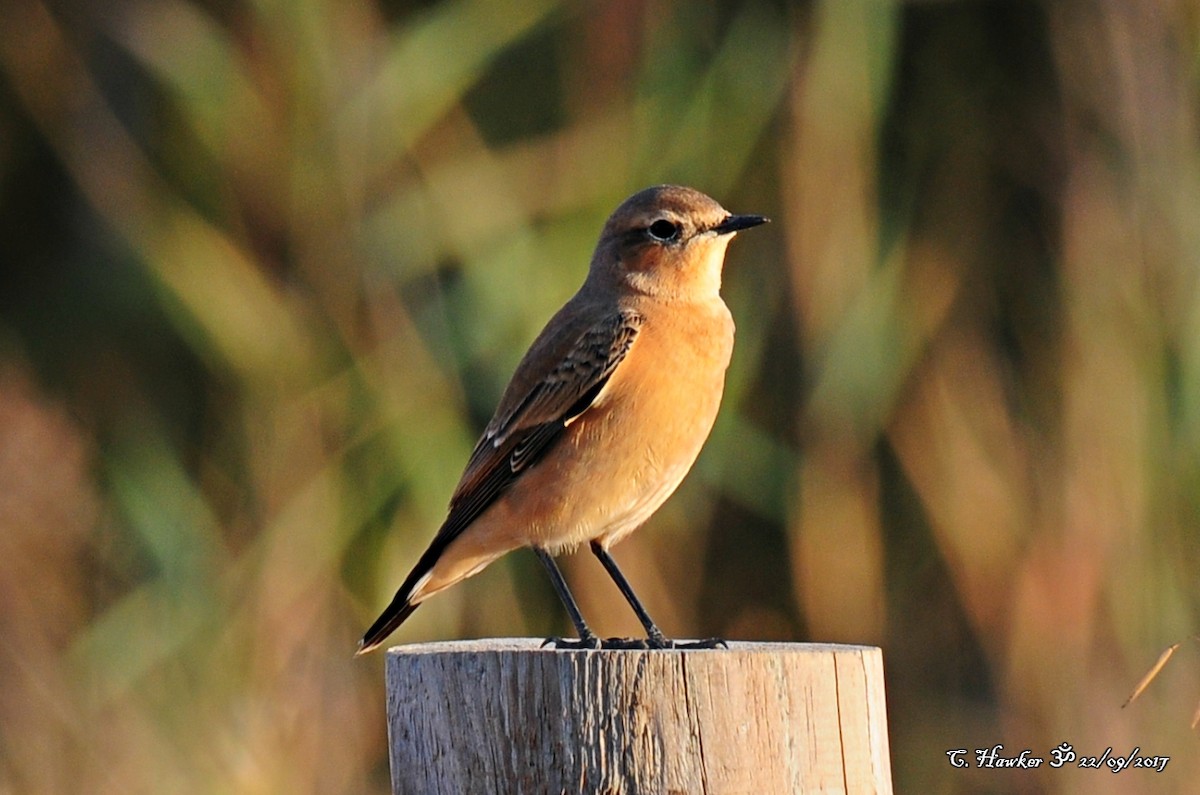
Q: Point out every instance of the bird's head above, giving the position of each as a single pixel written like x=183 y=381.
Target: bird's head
x=668 y=241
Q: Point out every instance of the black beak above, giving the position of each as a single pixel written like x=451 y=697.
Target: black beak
x=734 y=223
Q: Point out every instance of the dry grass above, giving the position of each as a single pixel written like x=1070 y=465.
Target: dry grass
x=268 y=266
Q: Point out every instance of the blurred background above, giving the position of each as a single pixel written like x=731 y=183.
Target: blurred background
x=265 y=267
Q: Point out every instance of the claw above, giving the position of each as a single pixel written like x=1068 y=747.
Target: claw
x=707 y=643
x=666 y=643
x=590 y=642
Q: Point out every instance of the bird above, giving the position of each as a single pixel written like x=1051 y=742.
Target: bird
x=604 y=415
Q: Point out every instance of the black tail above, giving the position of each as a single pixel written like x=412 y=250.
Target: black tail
x=385 y=625
x=400 y=608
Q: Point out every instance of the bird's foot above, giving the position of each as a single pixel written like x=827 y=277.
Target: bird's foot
x=608 y=644
x=586 y=642
x=636 y=644
x=657 y=640
x=706 y=643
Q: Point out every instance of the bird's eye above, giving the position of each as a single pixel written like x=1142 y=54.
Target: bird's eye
x=663 y=230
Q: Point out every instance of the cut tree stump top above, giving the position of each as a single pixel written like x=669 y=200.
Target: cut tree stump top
x=507 y=716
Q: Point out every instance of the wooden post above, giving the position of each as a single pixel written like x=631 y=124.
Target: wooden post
x=506 y=716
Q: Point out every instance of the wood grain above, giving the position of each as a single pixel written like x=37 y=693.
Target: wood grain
x=506 y=716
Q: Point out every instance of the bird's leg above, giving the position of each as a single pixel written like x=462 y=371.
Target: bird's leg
x=654 y=636
x=587 y=638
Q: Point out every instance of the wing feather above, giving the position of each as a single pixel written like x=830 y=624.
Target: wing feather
x=556 y=382
x=529 y=423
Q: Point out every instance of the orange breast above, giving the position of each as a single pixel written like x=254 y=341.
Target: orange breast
x=621 y=459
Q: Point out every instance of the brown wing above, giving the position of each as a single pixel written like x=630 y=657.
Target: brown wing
x=560 y=377
x=545 y=394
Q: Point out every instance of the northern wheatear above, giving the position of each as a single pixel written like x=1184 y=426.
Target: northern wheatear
x=604 y=415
